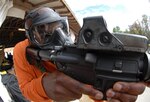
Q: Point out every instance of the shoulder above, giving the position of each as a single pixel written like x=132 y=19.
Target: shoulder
x=20 y=49
x=21 y=46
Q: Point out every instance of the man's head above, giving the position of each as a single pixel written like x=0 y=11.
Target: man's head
x=41 y=26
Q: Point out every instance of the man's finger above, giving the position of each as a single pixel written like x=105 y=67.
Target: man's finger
x=121 y=97
x=113 y=100
x=129 y=88
x=89 y=90
x=78 y=87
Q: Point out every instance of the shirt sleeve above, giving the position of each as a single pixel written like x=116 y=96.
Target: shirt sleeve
x=29 y=77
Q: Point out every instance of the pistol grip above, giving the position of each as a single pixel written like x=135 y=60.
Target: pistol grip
x=103 y=85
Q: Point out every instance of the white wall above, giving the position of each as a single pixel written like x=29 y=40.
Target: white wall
x=4 y=7
x=12 y=12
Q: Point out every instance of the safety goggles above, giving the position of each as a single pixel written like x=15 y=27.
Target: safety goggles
x=43 y=34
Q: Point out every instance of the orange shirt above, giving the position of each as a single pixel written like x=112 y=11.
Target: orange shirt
x=30 y=77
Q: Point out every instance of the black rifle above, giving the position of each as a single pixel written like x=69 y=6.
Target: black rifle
x=100 y=58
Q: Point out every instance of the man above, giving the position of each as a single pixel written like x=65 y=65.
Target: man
x=40 y=81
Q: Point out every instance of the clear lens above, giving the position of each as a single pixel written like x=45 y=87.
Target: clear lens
x=65 y=25
x=49 y=34
x=42 y=33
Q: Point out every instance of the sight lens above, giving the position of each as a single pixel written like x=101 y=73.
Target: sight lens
x=87 y=36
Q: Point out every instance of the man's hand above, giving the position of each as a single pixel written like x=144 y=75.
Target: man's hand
x=125 y=92
x=61 y=87
x=147 y=84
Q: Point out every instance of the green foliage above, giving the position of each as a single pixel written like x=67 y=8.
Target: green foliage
x=117 y=29
x=138 y=27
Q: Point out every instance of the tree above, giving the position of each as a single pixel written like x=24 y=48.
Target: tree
x=117 y=29
x=138 y=27
x=146 y=25
x=141 y=27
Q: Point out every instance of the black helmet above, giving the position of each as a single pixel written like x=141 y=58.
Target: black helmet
x=43 y=26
